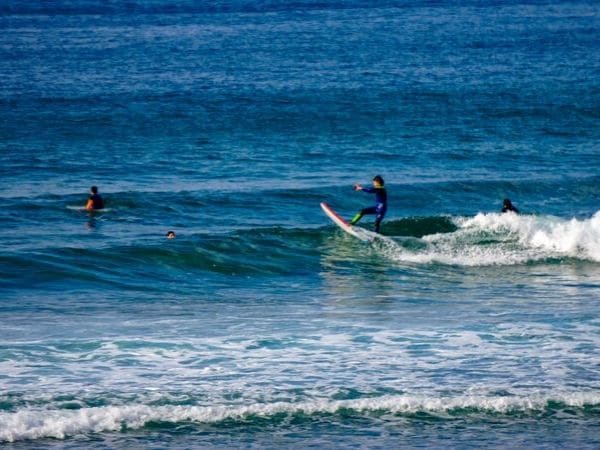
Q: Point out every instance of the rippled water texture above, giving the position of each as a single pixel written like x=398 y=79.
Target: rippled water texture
x=262 y=324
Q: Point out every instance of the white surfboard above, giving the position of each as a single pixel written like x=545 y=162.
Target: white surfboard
x=82 y=208
x=357 y=232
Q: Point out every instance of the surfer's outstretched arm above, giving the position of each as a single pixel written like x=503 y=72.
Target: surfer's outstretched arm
x=380 y=207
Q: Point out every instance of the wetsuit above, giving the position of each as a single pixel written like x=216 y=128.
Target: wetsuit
x=97 y=201
x=379 y=209
x=510 y=207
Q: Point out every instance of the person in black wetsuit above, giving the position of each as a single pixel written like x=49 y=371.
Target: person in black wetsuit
x=380 y=207
x=508 y=206
x=95 y=201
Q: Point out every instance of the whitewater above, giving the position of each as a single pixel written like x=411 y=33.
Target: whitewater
x=502 y=239
x=262 y=325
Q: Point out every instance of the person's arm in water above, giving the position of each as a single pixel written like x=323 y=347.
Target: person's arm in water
x=89 y=205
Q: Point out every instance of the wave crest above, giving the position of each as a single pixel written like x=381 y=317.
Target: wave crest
x=502 y=239
x=59 y=424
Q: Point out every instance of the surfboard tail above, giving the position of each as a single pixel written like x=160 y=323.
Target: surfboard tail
x=343 y=223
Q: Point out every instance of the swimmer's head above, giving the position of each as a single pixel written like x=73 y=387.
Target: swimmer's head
x=94 y=189
x=378 y=181
x=170 y=235
x=507 y=203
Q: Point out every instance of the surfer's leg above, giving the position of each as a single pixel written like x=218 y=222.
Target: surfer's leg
x=378 y=220
x=380 y=214
x=362 y=212
x=356 y=218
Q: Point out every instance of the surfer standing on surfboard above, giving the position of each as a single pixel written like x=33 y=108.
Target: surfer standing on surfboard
x=380 y=207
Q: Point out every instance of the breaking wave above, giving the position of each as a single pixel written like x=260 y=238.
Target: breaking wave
x=502 y=239
x=31 y=424
x=482 y=240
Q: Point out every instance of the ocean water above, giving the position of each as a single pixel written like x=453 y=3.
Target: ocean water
x=262 y=325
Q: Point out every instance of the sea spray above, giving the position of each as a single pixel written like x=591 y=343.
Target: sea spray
x=502 y=239
x=553 y=236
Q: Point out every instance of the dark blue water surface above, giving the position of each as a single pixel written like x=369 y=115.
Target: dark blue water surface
x=262 y=324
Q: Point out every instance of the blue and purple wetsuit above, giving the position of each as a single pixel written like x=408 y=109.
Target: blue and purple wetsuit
x=379 y=209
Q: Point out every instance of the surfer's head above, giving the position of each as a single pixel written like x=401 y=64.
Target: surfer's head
x=94 y=189
x=378 y=181
x=170 y=235
x=507 y=203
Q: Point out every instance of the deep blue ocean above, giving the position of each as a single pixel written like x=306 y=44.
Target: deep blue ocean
x=262 y=324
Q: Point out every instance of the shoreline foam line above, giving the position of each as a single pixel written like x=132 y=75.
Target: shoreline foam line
x=33 y=424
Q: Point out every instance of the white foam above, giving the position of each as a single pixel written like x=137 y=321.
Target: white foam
x=35 y=424
x=505 y=239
